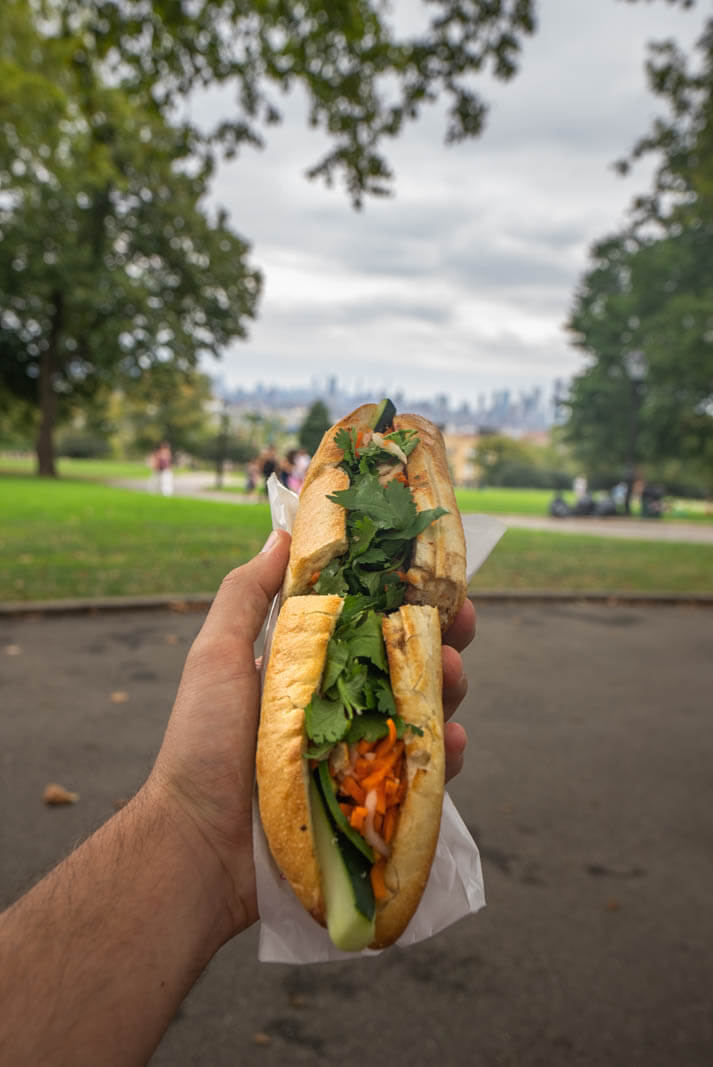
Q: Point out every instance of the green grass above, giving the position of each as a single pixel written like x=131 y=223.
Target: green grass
x=504 y=501
x=527 y=559
x=78 y=539
x=496 y=501
x=89 y=469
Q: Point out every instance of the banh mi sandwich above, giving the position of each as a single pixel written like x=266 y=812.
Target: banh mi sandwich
x=350 y=757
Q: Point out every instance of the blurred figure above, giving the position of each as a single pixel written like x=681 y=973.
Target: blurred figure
x=269 y=464
x=287 y=466
x=162 y=462
x=300 y=463
x=252 y=474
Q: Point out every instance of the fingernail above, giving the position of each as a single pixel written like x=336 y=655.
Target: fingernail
x=270 y=543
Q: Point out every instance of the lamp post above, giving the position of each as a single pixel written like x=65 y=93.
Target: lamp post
x=636 y=372
x=222 y=444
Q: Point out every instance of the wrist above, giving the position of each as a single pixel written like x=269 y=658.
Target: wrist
x=224 y=899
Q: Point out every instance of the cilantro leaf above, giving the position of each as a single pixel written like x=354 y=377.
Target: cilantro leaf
x=366 y=640
x=337 y=659
x=332 y=579
x=325 y=720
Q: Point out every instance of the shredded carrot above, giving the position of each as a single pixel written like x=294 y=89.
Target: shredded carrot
x=402 y=575
x=359 y=439
x=389 y=825
x=380 y=768
x=315 y=578
x=381 y=799
x=388 y=742
x=391 y=788
x=363 y=746
x=357 y=817
x=349 y=787
x=347 y=809
x=377 y=881
x=401 y=477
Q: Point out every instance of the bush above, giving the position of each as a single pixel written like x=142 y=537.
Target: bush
x=526 y=476
x=82 y=444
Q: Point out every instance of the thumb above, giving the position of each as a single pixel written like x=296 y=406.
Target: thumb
x=243 y=599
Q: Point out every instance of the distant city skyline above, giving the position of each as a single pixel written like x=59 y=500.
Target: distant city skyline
x=507 y=410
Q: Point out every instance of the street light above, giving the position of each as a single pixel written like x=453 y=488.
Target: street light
x=635 y=362
x=221 y=450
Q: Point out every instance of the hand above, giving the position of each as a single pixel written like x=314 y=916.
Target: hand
x=206 y=765
x=455 y=685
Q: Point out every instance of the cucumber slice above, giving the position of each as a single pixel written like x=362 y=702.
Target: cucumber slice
x=338 y=817
x=384 y=416
x=350 y=916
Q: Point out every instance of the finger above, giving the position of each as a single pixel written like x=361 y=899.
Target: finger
x=455 y=740
x=455 y=683
x=242 y=602
x=462 y=630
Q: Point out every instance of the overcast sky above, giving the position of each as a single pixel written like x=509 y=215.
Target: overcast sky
x=462 y=281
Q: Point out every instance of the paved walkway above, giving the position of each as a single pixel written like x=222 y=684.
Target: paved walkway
x=587 y=787
x=202 y=484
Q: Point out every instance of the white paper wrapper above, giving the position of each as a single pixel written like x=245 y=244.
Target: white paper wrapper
x=455 y=886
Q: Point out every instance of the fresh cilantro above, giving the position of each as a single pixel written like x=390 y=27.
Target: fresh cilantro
x=346 y=440
x=405 y=439
x=325 y=719
x=373 y=727
x=382 y=521
x=366 y=640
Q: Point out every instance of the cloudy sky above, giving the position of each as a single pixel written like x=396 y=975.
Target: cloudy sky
x=462 y=281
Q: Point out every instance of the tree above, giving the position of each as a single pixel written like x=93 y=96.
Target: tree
x=315 y=424
x=650 y=292
x=109 y=264
x=505 y=461
x=163 y=406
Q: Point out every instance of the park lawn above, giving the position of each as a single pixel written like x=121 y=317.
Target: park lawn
x=527 y=560
x=78 y=539
x=96 y=470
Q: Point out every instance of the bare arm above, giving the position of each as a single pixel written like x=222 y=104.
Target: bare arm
x=96 y=959
x=98 y=956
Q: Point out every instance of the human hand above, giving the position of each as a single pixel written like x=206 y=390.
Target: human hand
x=205 y=769
x=455 y=685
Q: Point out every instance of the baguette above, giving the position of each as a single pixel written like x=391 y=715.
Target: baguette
x=413 y=646
x=437 y=571
x=350 y=756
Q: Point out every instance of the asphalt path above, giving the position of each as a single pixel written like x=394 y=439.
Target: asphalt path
x=588 y=788
x=201 y=484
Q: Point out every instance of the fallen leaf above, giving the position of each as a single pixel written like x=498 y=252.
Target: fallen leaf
x=55 y=795
x=119 y=697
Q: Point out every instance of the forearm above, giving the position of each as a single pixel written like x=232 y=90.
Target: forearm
x=98 y=956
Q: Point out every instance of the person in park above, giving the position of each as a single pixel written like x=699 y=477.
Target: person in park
x=97 y=957
x=162 y=462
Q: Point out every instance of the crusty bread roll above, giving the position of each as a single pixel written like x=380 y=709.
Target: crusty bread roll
x=337 y=829
x=437 y=573
x=413 y=643
x=299 y=645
